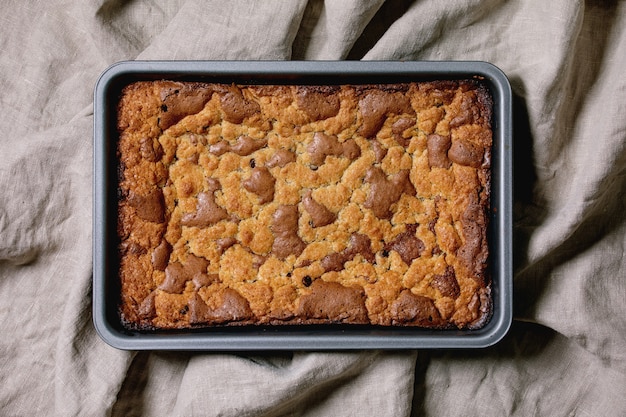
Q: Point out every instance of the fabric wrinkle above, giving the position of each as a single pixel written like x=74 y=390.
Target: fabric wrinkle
x=564 y=352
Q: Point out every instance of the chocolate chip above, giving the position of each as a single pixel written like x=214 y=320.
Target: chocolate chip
x=307 y=281
x=252 y=163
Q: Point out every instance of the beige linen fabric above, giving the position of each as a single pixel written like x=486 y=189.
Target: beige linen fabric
x=564 y=355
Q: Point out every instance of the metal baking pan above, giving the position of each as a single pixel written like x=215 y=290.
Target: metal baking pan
x=250 y=338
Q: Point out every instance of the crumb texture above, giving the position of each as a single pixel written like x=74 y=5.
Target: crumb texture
x=283 y=204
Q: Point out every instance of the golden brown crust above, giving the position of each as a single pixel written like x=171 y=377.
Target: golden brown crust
x=288 y=204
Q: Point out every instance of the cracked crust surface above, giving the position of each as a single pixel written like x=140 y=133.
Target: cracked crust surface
x=243 y=204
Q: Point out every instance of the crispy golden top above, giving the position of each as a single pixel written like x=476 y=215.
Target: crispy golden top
x=304 y=204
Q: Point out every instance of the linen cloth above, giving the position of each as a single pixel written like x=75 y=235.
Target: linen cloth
x=565 y=353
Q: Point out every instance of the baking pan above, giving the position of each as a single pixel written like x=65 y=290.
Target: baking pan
x=332 y=337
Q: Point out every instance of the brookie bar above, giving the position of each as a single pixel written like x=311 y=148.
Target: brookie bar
x=287 y=204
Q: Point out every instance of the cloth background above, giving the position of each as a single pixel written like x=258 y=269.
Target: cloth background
x=565 y=354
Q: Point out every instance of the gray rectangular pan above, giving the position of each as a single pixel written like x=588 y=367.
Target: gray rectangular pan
x=251 y=338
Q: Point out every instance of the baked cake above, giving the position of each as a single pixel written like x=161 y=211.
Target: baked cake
x=303 y=204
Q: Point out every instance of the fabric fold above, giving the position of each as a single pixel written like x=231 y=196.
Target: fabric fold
x=229 y=31
x=564 y=353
